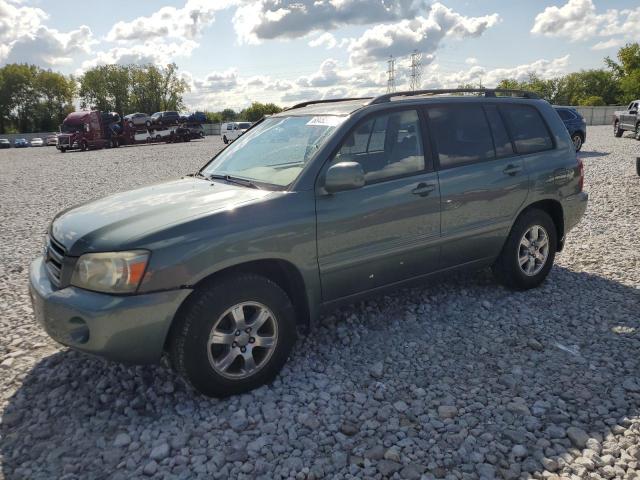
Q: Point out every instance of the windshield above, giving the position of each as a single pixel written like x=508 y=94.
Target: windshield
x=67 y=128
x=276 y=150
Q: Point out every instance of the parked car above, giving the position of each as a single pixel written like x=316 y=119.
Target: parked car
x=4 y=143
x=195 y=117
x=232 y=130
x=627 y=120
x=576 y=125
x=20 y=143
x=51 y=140
x=37 y=142
x=197 y=131
x=138 y=120
x=165 y=118
x=319 y=205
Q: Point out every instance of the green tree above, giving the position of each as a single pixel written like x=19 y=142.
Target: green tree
x=627 y=71
x=228 y=115
x=592 y=101
x=258 y=110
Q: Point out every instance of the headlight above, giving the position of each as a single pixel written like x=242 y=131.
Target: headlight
x=115 y=272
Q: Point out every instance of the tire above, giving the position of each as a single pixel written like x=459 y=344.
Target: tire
x=62 y=150
x=577 y=141
x=507 y=269
x=83 y=146
x=637 y=132
x=209 y=309
x=224 y=139
x=617 y=131
x=638 y=166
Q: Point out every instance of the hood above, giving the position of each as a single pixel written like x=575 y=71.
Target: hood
x=120 y=219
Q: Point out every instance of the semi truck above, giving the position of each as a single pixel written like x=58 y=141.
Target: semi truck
x=92 y=129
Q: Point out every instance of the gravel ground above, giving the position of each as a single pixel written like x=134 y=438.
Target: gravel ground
x=457 y=379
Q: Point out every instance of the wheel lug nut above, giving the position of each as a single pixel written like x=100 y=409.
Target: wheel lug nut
x=234 y=344
x=248 y=330
x=251 y=340
x=243 y=349
x=237 y=333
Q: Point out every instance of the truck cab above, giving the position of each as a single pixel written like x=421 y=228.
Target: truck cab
x=81 y=131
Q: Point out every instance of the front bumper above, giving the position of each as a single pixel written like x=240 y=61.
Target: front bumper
x=130 y=329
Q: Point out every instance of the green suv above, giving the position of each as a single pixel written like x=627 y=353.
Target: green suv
x=316 y=206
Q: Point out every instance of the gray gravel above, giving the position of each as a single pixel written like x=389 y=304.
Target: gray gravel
x=457 y=379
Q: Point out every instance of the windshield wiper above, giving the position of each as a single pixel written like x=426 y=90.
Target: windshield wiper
x=231 y=179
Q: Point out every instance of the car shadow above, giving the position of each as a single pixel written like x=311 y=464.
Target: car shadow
x=590 y=154
x=520 y=367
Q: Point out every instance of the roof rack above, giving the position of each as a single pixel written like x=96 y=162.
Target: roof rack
x=488 y=92
x=331 y=100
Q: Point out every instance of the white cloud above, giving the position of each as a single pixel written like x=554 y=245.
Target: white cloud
x=606 y=44
x=546 y=69
x=24 y=37
x=579 y=20
x=326 y=76
x=218 y=81
x=422 y=33
x=159 y=53
x=186 y=22
x=326 y=40
x=268 y=19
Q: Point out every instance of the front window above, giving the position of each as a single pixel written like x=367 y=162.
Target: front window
x=70 y=128
x=275 y=151
x=244 y=125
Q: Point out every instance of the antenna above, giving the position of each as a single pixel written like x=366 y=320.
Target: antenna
x=391 y=72
x=416 y=71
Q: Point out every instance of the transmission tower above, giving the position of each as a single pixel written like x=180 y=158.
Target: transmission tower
x=416 y=71
x=391 y=72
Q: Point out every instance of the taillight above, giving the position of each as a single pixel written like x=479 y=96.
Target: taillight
x=581 y=174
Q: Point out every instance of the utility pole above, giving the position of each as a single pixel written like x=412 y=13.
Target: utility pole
x=391 y=72
x=416 y=71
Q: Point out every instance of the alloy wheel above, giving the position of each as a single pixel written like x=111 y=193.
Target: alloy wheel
x=242 y=340
x=533 y=250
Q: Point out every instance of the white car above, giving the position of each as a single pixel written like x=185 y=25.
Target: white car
x=232 y=130
x=37 y=142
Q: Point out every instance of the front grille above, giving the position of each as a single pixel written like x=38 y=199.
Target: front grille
x=54 y=260
x=63 y=140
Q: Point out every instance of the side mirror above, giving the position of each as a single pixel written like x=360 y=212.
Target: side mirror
x=344 y=176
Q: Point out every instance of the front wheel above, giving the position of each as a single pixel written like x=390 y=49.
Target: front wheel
x=224 y=139
x=637 y=132
x=617 y=131
x=528 y=254
x=233 y=335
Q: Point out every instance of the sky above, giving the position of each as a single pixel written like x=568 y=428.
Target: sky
x=233 y=52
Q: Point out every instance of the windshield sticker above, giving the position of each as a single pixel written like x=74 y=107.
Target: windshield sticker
x=326 y=121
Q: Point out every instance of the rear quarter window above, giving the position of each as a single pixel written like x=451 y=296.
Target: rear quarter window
x=528 y=130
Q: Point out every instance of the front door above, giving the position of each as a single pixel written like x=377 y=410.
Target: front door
x=388 y=230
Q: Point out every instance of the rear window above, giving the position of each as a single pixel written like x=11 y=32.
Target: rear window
x=529 y=132
x=565 y=114
x=244 y=125
x=461 y=134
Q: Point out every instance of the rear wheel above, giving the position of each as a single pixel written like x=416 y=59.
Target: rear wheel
x=528 y=254
x=577 y=141
x=83 y=145
x=224 y=139
x=233 y=335
x=617 y=131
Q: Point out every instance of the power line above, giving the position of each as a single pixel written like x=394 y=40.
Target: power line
x=391 y=72
x=416 y=71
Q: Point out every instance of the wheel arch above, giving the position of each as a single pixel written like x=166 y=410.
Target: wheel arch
x=555 y=211
x=282 y=272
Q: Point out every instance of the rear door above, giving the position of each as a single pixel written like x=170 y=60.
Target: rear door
x=482 y=181
x=388 y=230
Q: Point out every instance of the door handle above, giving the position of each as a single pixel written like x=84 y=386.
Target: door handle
x=423 y=189
x=512 y=170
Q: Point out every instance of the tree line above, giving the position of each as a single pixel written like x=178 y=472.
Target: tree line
x=35 y=99
x=617 y=84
